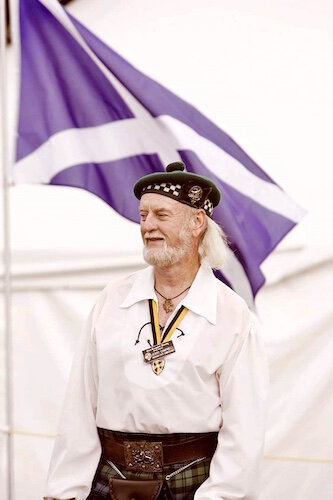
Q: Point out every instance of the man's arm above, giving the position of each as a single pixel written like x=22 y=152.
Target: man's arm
x=236 y=464
x=77 y=447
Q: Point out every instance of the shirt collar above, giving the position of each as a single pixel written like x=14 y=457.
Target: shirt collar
x=201 y=298
x=142 y=288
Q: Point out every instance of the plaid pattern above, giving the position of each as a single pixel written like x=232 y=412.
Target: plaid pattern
x=182 y=486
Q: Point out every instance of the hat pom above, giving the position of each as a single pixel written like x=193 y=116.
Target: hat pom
x=175 y=166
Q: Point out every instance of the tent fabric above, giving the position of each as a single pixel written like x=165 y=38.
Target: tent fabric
x=294 y=307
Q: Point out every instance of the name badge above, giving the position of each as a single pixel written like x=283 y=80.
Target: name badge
x=158 y=351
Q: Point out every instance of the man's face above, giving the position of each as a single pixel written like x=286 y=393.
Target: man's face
x=165 y=230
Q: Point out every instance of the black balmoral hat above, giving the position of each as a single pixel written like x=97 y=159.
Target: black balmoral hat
x=191 y=189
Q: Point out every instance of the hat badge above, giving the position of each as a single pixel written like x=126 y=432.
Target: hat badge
x=195 y=194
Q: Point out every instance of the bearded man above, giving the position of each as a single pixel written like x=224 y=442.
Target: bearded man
x=167 y=392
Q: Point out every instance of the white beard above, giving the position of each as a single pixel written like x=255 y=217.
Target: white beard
x=167 y=256
x=163 y=257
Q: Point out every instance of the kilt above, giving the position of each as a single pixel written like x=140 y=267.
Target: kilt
x=182 y=486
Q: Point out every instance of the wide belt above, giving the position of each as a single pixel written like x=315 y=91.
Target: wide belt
x=150 y=456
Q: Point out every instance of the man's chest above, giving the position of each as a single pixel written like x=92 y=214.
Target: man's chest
x=122 y=340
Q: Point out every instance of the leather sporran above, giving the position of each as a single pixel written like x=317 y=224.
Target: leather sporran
x=151 y=489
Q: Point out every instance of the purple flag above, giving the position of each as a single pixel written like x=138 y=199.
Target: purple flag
x=89 y=119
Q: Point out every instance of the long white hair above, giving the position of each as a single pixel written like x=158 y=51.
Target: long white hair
x=213 y=247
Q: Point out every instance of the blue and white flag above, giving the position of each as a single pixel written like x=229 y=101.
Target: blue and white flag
x=89 y=119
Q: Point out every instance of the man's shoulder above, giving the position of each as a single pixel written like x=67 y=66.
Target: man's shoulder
x=227 y=293
x=231 y=301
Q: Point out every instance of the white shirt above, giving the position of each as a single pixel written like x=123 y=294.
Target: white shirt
x=217 y=374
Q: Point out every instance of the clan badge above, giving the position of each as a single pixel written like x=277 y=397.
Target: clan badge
x=195 y=194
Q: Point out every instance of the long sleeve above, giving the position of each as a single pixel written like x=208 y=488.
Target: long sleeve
x=77 y=447
x=236 y=464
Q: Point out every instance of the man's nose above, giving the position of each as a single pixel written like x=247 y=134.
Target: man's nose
x=149 y=224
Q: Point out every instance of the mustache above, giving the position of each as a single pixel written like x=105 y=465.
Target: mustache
x=153 y=234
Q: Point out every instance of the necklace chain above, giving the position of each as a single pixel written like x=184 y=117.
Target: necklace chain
x=168 y=304
x=171 y=298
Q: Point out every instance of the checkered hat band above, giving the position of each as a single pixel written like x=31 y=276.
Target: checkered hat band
x=165 y=187
x=174 y=190
x=208 y=207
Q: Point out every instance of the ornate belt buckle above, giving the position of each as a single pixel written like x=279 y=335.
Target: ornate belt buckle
x=143 y=456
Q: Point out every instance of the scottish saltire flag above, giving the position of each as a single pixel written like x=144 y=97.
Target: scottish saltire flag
x=89 y=119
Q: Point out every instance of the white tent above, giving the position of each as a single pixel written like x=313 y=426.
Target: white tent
x=265 y=76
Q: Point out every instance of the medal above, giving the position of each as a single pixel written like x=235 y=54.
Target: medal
x=158 y=366
x=156 y=355
x=163 y=345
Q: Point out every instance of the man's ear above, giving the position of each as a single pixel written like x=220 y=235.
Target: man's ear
x=199 y=221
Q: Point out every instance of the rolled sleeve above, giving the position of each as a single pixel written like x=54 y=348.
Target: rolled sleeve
x=236 y=464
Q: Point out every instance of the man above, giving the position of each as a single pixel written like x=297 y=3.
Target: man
x=170 y=381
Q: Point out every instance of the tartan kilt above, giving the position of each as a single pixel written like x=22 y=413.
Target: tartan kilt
x=182 y=486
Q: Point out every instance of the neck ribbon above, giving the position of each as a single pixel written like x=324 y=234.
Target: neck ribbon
x=167 y=334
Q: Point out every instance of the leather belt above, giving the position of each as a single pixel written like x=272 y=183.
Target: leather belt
x=150 y=456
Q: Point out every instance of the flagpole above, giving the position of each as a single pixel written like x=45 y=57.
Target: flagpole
x=6 y=255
